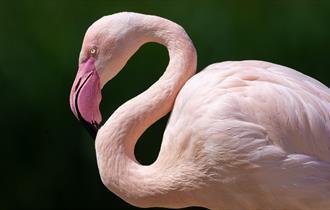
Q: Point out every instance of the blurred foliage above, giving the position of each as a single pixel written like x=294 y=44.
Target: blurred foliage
x=48 y=159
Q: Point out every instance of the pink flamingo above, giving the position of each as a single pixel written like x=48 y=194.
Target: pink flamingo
x=242 y=134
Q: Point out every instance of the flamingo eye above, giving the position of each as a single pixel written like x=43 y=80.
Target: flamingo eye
x=92 y=51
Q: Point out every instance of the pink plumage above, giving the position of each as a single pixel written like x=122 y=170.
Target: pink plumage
x=242 y=134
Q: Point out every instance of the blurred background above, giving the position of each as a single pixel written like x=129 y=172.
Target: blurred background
x=47 y=157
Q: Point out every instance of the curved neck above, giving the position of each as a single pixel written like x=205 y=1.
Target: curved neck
x=116 y=140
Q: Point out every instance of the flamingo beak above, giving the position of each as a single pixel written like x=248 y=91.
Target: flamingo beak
x=85 y=96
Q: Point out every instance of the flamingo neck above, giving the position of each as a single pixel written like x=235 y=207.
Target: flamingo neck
x=115 y=142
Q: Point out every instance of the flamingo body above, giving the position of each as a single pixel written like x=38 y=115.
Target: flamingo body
x=242 y=134
x=259 y=129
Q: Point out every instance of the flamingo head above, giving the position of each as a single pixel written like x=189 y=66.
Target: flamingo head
x=104 y=53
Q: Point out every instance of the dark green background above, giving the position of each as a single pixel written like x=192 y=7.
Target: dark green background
x=47 y=158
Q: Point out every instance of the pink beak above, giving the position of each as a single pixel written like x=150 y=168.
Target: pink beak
x=85 y=96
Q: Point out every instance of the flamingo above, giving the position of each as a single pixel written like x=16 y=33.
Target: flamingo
x=241 y=135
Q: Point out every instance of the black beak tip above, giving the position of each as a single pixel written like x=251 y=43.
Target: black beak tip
x=92 y=128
